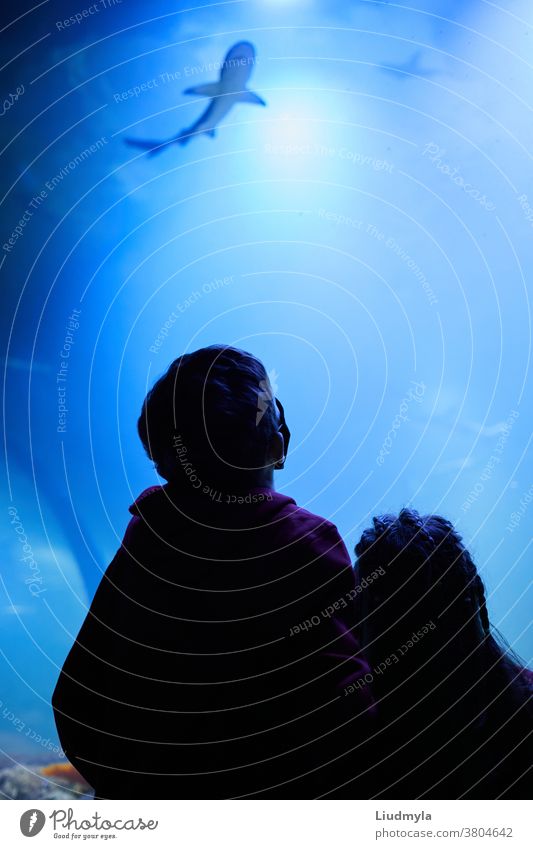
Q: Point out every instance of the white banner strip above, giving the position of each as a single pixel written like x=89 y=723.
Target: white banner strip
x=251 y=824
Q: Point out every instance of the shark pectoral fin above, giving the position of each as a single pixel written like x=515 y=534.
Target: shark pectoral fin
x=149 y=145
x=249 y=97
x=207 y=90
x=183 y=137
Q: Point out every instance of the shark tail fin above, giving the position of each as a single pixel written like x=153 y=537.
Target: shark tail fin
x=149 y=145
x=247 y=96
x=206 y=90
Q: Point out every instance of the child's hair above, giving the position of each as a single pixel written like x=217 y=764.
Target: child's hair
x=211 y=416
x=427 y=575
x=453 y=702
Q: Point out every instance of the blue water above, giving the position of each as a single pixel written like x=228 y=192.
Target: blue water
x=368 y=234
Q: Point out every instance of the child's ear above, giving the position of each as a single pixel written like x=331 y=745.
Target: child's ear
x=277 y=451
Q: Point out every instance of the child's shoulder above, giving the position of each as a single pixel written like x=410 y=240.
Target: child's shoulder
x=312 y=522
x=151 y=492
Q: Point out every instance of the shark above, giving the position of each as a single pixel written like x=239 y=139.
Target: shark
x=223 y=95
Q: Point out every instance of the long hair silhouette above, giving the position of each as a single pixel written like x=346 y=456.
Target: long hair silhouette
x=453 y=699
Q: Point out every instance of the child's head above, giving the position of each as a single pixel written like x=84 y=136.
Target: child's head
x=212 y=419
x=420 y=572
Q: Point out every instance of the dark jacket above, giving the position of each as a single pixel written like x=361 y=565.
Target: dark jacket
x=215 y=655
